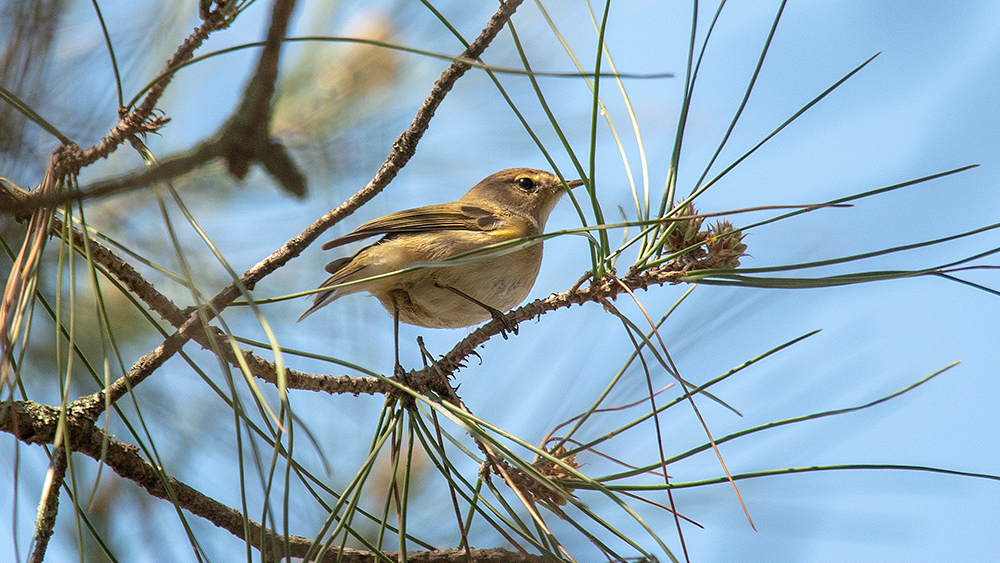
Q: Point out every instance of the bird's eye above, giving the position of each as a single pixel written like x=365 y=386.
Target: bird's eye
x=525 y=183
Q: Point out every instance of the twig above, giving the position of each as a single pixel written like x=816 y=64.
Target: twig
x=48 y=507
x=138 y=120
x=169 y=168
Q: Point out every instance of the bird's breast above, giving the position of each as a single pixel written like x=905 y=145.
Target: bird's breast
x=499 y=281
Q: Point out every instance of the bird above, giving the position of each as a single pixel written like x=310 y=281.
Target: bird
x=509 y=205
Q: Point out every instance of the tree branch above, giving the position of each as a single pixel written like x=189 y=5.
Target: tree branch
x=429 y=378
x=167 y=169
x=33 y=423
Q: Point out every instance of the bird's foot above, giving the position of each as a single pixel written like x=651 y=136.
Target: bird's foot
x=508 y=326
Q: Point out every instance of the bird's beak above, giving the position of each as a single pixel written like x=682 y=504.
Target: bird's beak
x=574 y=183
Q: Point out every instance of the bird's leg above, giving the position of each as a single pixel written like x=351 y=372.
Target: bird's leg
x=398 y=368
x=399 y=374
x=494 y=312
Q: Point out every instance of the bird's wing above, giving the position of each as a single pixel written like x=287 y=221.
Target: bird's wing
x=442 y=217
x=338 y=265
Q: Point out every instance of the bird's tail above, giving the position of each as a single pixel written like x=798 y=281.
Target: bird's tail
x=321 y=300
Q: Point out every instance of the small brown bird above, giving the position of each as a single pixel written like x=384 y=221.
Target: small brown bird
x=509 y=205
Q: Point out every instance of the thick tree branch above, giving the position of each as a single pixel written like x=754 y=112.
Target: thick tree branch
x=167 y=169
x=33 y=423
